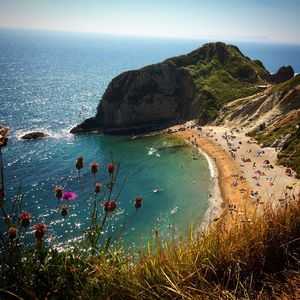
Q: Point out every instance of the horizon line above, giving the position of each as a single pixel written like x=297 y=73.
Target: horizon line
x=261 y=40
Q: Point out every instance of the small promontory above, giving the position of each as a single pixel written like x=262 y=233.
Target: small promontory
x=191 y=86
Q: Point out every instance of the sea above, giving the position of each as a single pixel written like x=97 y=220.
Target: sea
x=51 y=81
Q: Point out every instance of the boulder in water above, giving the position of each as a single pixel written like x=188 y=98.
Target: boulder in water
x=34 y=135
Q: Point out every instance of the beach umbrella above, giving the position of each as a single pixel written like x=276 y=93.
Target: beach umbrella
x=257 y=172
x=266 y=162
x=270 y=183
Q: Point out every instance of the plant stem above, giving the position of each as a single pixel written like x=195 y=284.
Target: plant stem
x=2 y=189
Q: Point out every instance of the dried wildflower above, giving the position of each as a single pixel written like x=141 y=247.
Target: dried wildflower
x=98 y=187
x=58 y=192
x=94 y=167
x=79 y=163
x=68 y=196
x=25 y=219
x=3 y=136
x=110 y=168
x=110 y=206
x=113 y=205
x=64 y=210
x=39 y=232
x=12 y=233
x=138 y=202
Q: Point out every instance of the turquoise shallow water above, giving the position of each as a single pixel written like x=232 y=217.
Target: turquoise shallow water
x=145 y=164
x=51 y=81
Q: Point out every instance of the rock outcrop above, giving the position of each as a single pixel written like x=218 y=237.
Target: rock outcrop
x=267 y=107
x=3 y=136
x=142 y=100
x=283 y=74
x=192 y=86
x=34 y=135
x=272 y=117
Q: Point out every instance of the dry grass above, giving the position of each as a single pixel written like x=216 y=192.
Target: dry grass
x=253 y=260
x=257 y=260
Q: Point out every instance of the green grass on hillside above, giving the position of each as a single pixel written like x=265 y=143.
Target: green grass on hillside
x=290 y=152
x=222 y=71
x=224 y=87
x=289 y=155
x=287 y=85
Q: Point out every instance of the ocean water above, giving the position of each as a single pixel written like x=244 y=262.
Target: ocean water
x=51 y=81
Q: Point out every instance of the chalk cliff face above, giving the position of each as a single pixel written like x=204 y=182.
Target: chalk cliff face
x=143 y=100
x=268 y=107
x=146 y=98
x=191 y=86
x=272 y=117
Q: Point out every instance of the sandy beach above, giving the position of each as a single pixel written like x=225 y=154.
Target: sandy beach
x=247 y=175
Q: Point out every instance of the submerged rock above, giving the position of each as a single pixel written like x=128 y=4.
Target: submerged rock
x=34 y=135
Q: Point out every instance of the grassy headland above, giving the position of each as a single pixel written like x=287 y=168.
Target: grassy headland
x=221 y=73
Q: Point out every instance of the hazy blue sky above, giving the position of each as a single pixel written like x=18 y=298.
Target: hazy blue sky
x=269 y=20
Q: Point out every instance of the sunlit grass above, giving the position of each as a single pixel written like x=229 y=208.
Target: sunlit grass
x=245 y=262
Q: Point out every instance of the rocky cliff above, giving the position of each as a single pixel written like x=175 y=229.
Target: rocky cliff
x=192 y=86
x=143 y=100
x=272 y=117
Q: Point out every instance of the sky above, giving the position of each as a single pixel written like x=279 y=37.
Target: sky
x=249 y=20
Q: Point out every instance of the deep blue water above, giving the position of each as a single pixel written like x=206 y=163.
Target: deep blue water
x=51 y=81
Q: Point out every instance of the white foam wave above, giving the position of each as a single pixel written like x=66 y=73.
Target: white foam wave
x=64 y=133
x=215 y=199
x=211 y=164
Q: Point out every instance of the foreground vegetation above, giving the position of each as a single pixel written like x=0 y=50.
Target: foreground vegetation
x=258 y=259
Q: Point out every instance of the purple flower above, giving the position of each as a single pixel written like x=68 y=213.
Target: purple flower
x=68 y=196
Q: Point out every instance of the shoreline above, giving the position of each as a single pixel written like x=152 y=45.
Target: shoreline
x=244 y=184
x=220 y=201
x=216 y=202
